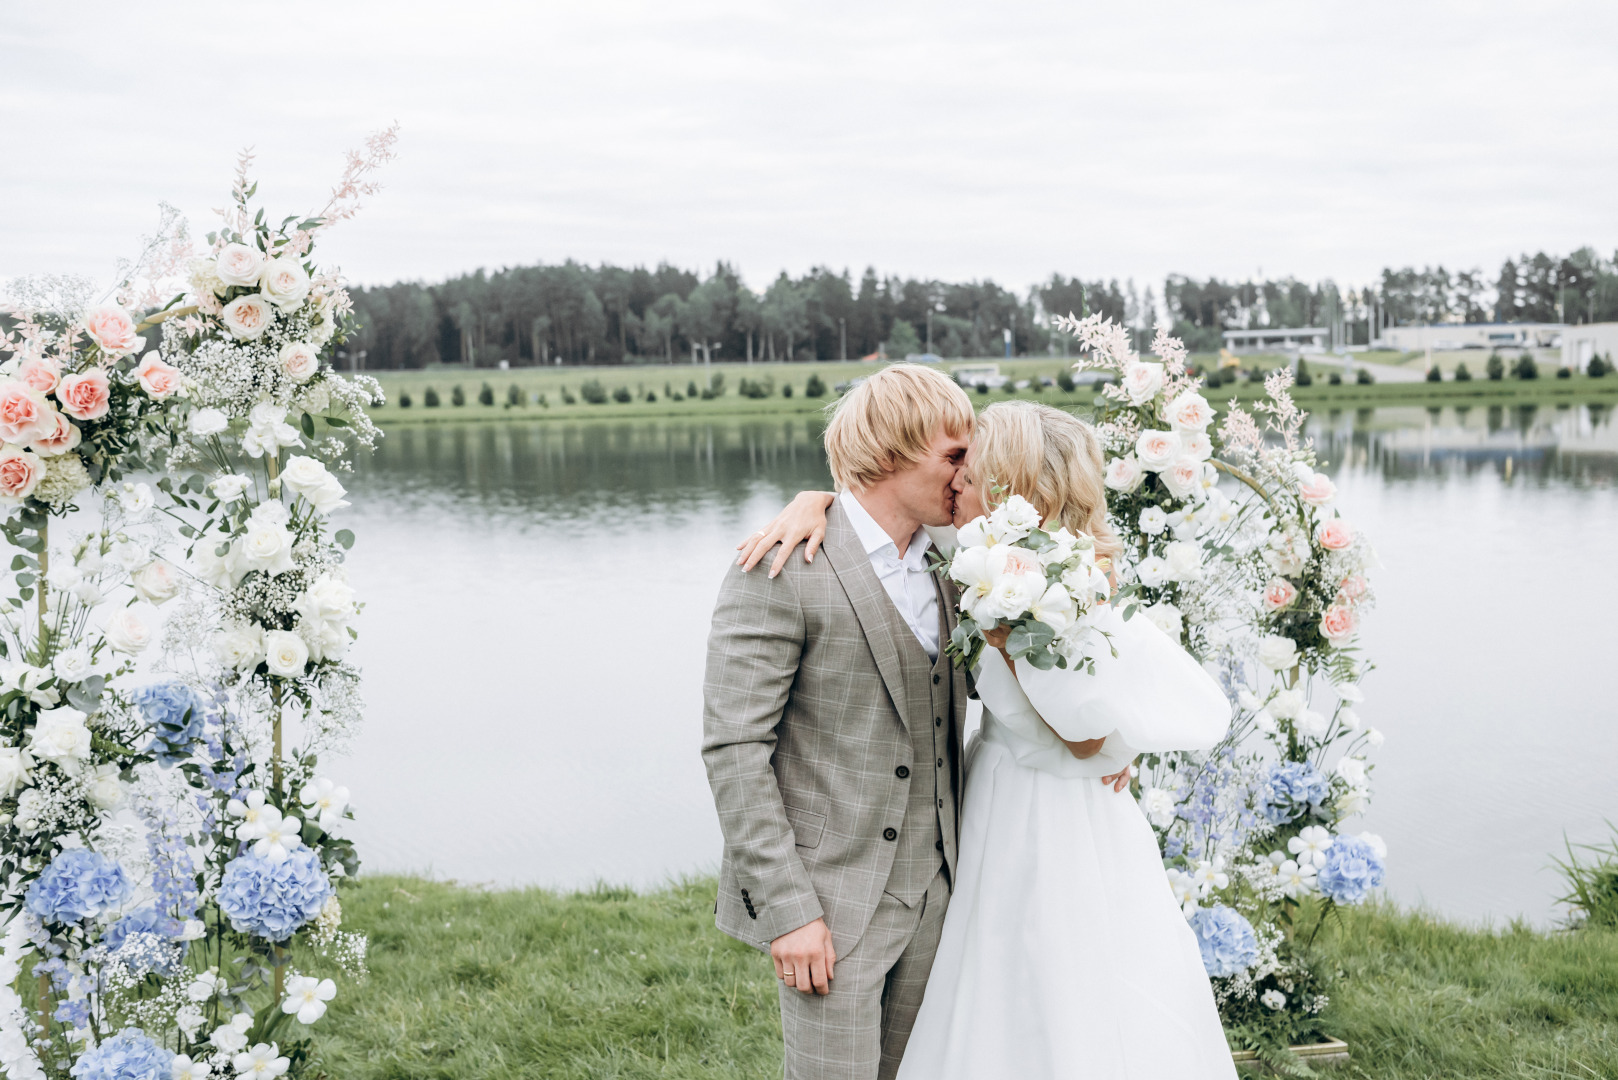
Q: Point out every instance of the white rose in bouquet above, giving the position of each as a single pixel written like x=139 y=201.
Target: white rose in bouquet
x=1277 y=653
x=299 y=360
x=1198 y=447
x=73 y=665
x=1287 y=704
x=284 y=282
x=156 y=582
x=285 y=653
x=1124 y=473
x=60 y=736
x=1189 y=412
x=326 y=609
x=221 y=571
x=16 y=766
x=228 y=489
x=1152 y=571
x=238 y=264
x=1020 y=580
x=205 y=422
x=1142 y=379
x=247 y=317
x=1157 y=450
x=1184 y=558
x=241 y=647
x=106 y=789
x=309 y=478
x=127 y=633
x=266 y=548
x=1013 y=519
x=267 y=430
x=1166 y=617
x=1312 y=724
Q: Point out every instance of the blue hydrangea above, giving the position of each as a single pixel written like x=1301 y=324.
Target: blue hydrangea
x=148 y=920
x=1226 y=939
x=78 y=885
x=1352 y=869
x=177 y=716
x=273 y=899
x=1293 y=786
x=128 y=1055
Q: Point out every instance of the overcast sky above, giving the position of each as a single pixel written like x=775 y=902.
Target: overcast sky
x=1004 y=140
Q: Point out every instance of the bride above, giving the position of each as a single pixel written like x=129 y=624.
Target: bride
x=1064 y=953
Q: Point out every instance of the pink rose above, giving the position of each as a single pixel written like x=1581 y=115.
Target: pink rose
x=1335 y=535
x=1124 y=474
x=1190 y=412
x=1353 y=589
x=1157 y=449
x=1022 y=561
x=299 y=360
x=238 y=264
x=1279 y=593
x=64 y=438
x=25 y=415
x=84 y=396
x=247 y=317
x=1183 y=477
x=1318 y=490
x=157 y=378
x=113 y=329
x=1338 y=624
x=42 y=373
x=19 y=473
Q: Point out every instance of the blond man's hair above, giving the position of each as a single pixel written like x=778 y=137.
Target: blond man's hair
x=889 y=420
x=1052 y=459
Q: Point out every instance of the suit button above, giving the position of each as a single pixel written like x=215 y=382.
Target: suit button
x=890 y=834
x=936 y=677
x=939 y=722
x=902 y=772
x=744 y=894
x=939 y=844
x=940 y=763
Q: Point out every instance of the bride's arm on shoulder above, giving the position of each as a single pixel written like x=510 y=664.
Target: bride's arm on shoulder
x=803 y=519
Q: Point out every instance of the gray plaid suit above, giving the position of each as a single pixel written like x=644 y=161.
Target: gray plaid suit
x=832 y=745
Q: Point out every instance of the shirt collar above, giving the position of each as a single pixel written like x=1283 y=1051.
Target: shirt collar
x=873 y=538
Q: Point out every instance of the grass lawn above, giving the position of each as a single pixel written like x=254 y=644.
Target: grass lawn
x=1508 y=391
x=610 y=984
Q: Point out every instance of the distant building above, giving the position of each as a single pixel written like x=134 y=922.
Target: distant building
x=1451 y=336
x=1581 y=344
x=980 y=375
x=1277 y=339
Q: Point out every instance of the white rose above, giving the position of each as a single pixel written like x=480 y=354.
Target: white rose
x=126 y=633
x=205 y=422
x=273 y=512
x=240 y=647
x=285 y=653
x=1124 y=473
x=284 y=282
x=1197 y=445
x=1277 y=653
x=247 y=317
x=1184 y=559
x=106 y=789
x=327 y=600
x=310 y=479
x=974 y=534
x=299 y=360
x=1153 y=521
x=1312 y=725
x=1153 y=571
x=1157 y=449
x=228 y=489
x=326 y=640
x=1373 y=737
x=1190 y=412
x=232 y=1037
x=60 y=736
x=136 y=500
x=221 y=571
x=238 y=264
x=1352 y=770
x=329 y=496
x=1158 y=805
x=73 y=665
x=15 y=766
x=265 y=548
x=1017 y=513
x=1166 y=617
x=1183 y=477
x=1142 y=380
x=156 y=582
x=1287 y=704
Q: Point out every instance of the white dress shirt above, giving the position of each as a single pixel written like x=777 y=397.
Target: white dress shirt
x=907 y=581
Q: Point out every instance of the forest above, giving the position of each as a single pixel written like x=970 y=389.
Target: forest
x=572 y=313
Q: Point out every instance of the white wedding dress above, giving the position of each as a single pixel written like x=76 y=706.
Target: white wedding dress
x=1064 y=954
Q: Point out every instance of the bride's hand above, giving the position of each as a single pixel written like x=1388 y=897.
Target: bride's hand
x=1120 y=780
x=803 y=519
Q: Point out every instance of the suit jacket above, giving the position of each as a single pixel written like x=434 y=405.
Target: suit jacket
x=805 y=728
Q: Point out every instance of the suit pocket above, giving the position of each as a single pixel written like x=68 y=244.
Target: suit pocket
x=807 y=826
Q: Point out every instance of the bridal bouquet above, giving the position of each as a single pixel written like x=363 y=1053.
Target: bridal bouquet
x=1046 y=586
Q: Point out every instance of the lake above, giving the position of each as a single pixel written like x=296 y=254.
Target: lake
x=537 y=603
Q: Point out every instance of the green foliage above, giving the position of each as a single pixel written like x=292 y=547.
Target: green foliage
x=1256 y=376
x=716 y=384
x=457 y=396
x=903 y=339
x=1597 y=368
x=567 y=398
x=786 y=389
x=1364 y=377
x=1335 y=378
x=757 y=388
x=1525 y=368
x=514 y=395
x=1461 y=372
x=593 y=392
x=622 y=395
x=404 y=399
x=1065 y=383
x=651 y=397
x=429 y=398
x=1495 y=368
x=1434 y=374
x=1592 y=887
x=814 y=386
x=691 y=389
x=1304 y=378
x=983 y=388
x=1564 y=373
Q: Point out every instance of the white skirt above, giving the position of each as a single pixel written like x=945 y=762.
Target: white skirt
x=1063 y=954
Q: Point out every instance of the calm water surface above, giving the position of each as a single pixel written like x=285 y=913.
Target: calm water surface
x=538 y=599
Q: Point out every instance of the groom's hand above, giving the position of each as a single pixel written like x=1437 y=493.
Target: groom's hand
x=804 y=958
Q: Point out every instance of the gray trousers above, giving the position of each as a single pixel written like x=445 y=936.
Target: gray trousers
x=859 y=1030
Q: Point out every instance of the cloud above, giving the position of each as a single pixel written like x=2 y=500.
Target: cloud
x=953 y=140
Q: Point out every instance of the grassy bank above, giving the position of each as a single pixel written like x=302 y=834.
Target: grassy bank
x=541 y=393
x=610 y=984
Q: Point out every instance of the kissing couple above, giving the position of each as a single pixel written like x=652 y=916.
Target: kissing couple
x=937 y=912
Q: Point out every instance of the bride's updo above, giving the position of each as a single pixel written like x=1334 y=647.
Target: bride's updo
x=1050 y=458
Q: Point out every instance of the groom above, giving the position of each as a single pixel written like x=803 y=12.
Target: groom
x=831 y=733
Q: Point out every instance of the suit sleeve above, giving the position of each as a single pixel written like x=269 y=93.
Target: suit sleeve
x=754 y=648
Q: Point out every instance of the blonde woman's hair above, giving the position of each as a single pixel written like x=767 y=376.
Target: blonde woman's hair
x=1052 y=459
x=889 y=420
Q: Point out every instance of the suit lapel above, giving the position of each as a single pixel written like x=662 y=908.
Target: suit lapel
x=875 y=612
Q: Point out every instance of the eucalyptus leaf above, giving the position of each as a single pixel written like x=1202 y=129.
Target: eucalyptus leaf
x=308 y=425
